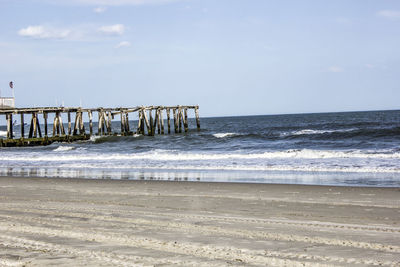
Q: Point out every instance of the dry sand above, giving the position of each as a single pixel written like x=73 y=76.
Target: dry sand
x=75 y=222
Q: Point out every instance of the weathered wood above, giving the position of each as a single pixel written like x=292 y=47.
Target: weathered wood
x=151 y=123
x=142 y=123
x=66 y=109
x=158 y=121
x=57 y=118
x=180 y=118
x=22 y=126
x=185 y=122
x=127 y=122
x=175 y=121
x=9 y=126
x=38 y=126
x=154 y=124
x=102 y=123
x=109 y=129
x=90 y=115
x=168 y=120
x=30 y=135
x=106 y=115
x=45 y=123
x=81 y=124
x=60 y=124
x=196 y=111
x=162 y=121
x=147 y=122
x=139 y=126
x=122 y=123
x=69 y=123
x=34 y=121
x=99 y=123
x=76 y=123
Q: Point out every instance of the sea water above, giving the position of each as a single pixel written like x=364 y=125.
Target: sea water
x=350 y=148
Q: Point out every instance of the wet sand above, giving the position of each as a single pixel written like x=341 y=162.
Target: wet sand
x=76 y=222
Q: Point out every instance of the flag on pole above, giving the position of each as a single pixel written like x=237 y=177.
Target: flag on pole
x=11 y=85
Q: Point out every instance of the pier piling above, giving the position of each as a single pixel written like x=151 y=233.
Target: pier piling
x=76 y=131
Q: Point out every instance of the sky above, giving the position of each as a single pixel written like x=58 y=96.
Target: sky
x=231 y=57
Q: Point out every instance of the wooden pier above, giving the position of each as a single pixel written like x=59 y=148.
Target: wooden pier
x=150 y=120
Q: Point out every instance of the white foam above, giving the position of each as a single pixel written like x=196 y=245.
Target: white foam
x=63 y=148
x=171 y=155
x=93 y=138
x=310 y=131
x=222 y=135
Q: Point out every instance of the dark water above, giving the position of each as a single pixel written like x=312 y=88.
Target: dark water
x=354 y=148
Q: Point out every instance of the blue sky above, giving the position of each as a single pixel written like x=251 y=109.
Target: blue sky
x=232 y=57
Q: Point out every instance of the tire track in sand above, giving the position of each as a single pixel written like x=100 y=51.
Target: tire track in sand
x=99 y=256
x=200 y=251
x=327 y=225
x=302 y=256
x=239 y=232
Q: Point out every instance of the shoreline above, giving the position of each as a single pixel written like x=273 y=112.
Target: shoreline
x=193 y=180
x=64 y=221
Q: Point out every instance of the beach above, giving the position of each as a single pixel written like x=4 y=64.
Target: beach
x=91 y=222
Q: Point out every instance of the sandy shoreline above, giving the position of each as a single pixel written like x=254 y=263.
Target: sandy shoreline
x=75 y=222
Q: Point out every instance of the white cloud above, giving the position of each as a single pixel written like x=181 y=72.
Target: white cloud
x=335 y=69
x=389 y=14
x=123 y=44
x=117 y=29
x=42 y=32
x=369 y=66
x=99 y=9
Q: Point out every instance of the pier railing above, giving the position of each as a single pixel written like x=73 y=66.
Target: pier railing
x=149 y=120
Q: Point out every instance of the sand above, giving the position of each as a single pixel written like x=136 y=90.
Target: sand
x=76 y=222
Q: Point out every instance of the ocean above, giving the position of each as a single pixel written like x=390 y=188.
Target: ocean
x=347 y=149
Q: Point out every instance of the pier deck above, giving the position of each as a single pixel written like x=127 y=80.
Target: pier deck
x=149 y=121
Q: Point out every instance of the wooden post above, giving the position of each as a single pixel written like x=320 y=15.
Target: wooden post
x=34 y=125
x=38 y=126
x=185 y=122
x=142 y=122
x=168 y=121
x=138 y=130
x=180 y=120
x=81 y=125
x=122 y=123
x=76 y=123
x=196 y=111
x=22 y=126
x=175 y=120
x=147 y=122
x=157 y=121
x=127 y=122
x=57 y=120
x=30 y=135
x=151 y=123
x=99 y=123
x=60 y=123
x=45 y=123
x=9 y=126
x=90 y=122
x=109 y=122
x=56 y=128
x=162 y=121
x=69 y=123
x=103 y=123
